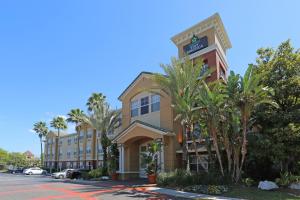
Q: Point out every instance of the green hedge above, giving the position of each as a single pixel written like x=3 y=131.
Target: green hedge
x=181 y=178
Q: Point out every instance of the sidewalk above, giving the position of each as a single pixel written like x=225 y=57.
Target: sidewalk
x=187 y=195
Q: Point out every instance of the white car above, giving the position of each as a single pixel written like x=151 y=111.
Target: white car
x=62 y=174
x=33 y=171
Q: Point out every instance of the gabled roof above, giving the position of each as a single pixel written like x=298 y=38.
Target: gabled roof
x=138 y=123
x=133 y=82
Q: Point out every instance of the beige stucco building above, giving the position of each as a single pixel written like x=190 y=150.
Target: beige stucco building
x=148 y=116
x=146 y=111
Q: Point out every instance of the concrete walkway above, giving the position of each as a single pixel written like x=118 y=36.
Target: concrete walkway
x=188 y=195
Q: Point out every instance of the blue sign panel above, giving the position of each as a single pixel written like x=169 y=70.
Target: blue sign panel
x=196 y=45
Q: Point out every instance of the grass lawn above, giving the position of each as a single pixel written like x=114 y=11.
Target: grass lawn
x=256 y=194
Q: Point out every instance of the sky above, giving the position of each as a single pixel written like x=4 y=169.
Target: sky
x=54 y=54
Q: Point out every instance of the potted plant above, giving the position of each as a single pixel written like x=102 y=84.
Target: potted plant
x=113 y=165
x=150 y=158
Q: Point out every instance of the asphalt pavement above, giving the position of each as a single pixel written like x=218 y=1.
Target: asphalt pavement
x=39 y=187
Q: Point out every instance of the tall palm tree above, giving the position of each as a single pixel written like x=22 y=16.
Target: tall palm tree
x=42 y=130
x=103 y=120
x=181 y=81
x=251 y=94
x=58 y=123
x=95 y=102
x=76 y=116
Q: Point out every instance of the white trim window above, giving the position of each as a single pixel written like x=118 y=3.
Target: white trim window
x=69 y=154
x=145 y=105
x=155 y=103
x=134 y=108
x=90 y=133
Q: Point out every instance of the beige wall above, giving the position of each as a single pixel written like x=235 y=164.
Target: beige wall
x=210 y=33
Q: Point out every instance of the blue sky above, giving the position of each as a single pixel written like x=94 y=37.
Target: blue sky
x=54 y=54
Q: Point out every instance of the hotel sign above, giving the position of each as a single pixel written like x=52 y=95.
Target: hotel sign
x=196 y=45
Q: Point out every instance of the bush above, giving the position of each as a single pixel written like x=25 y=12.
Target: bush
x=248 y=182
x=95 y=173
x=207 y=189
x=182 y=178
x=84 y=175
x=176 y=178
x=286 y=179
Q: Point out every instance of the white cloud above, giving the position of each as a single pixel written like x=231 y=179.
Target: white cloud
x=31 y=131
x=63 y=116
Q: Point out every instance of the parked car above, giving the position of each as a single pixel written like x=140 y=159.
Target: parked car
x=16 y=171
x=77 y=173
x=63 y=174
x=34 y=171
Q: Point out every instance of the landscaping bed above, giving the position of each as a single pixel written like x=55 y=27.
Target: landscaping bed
x=253 y=193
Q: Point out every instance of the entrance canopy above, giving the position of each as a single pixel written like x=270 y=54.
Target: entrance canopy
x=138 y=130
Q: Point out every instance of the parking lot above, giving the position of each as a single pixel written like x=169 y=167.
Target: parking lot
x=35 y=187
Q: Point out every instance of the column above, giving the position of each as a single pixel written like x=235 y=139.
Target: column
x=121 y=158
x=162 y=158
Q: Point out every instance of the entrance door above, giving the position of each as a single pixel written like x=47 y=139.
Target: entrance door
x=143 y=148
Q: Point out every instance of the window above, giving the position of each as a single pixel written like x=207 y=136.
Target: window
x=144 y=105
x=134 y=108
x=90 y=133
x=81 y=135
x=155 y=103
x=88 y=150
x=69 y=141
x=204 y=68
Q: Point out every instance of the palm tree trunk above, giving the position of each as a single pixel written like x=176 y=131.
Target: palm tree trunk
x=97 y=150
x=228 y=151
x=42 y=159
x=215 y=142
x=244 y=146
x=78 y=147
x=186 y=148
x=58 y=149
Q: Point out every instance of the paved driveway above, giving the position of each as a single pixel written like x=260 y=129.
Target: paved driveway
x=14 y=187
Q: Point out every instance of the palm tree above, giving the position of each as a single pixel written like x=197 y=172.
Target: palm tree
x=42 y=130
x=103 y=120
x=181 y=81
x=58 y=123
x=251 y=94
x=76 y=116
x=95 y=101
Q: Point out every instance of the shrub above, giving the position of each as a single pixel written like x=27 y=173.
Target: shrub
x=85 y=175
x=286 y=179
x=176 y=178
x=248 y=182
x=182 y=178
x=207 y=189
x=95 y=173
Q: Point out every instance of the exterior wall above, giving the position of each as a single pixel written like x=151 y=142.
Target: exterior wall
x=152 y=117
x=140 y=86
x=210 y=33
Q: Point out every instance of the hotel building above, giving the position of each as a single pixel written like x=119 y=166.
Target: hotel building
x=149 y=116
